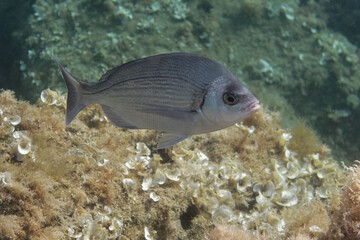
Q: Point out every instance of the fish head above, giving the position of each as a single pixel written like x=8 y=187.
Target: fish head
x=228 y=101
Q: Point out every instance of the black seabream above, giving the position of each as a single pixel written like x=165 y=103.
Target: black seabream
x=179 y=94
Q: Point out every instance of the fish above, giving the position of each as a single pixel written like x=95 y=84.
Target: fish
x=178 y=94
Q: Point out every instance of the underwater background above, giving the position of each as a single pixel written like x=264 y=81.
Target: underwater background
x=92 y=180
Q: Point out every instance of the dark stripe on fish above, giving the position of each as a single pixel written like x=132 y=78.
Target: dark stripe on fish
x=142 y=78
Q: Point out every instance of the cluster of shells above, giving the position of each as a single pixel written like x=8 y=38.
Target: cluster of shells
x=102 y=225
x=19 y=141
x=229 y=193
x=50 y=97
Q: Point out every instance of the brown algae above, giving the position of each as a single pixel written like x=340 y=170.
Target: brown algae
x=93 y=180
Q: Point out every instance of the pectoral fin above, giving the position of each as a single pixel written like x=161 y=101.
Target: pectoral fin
x=116 y=119
x=170 y=139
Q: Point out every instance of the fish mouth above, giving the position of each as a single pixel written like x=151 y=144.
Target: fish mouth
x=252 y=107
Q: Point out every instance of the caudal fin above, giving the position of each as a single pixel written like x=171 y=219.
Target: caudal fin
x=75 y=102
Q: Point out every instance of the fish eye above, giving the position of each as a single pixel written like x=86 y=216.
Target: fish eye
x=230 y=98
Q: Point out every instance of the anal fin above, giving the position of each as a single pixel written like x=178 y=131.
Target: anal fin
x=170 y=139
x=116 y=119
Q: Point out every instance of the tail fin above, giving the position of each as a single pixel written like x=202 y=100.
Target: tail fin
x=75 y=101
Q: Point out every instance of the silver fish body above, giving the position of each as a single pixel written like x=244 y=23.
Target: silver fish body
x=180 y=94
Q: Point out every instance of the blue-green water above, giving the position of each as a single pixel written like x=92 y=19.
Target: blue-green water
x=298 y=57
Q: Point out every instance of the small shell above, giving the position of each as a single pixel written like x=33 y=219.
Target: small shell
x=250 y=129
x=287 y=199
x=278 y=178
x=275 y=222
x=147 y=234
x=142 y=149
x=72 y=233
x=322 y=192
x=154 y=197
x=129 y=183
x=326 y=172
x=146 y=184
x=131 y=164
x=293 y=170
x=173 y=174
x=24 y=145
x=286 y=136
x=116 y=225
x=107 y=209
x=222 y=214
x=103 y=164
x=17 y=134
x=5 y=178
x=243 y=184
x=212 y=202
x=315 y=229
x=49 y=97
x=202 y=158
x=15 y=120
x=158 y=178
x=266 y=189
x=261 y=199
x=225 y=194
